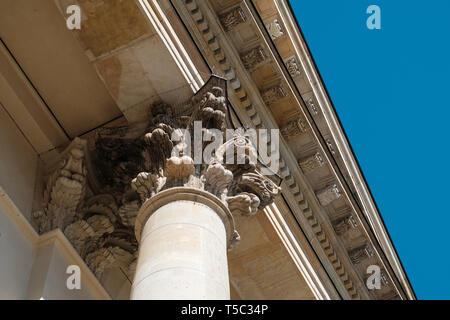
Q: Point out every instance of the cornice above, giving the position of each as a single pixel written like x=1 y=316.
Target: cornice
x=330 y=127
x=223 y=57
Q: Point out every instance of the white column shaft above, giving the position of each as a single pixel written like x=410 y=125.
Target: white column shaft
x=182 y=255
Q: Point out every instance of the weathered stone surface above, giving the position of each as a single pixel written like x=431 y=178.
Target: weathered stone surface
x=293 y=66
x=310 y=164
x=273 y=94
x=232 y=18
x=253 y=57
x=294 y=128
x=64 y=190
x=328 y=195
x=361 y=253
x=274 y=29
x=342 y=225
x=108 y=25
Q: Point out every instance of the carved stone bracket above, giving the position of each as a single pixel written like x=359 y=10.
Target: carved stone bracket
x=64 y=190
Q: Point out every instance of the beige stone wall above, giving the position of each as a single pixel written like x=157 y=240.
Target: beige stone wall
x=31 y=266
x=18 y=164
x=17 y=255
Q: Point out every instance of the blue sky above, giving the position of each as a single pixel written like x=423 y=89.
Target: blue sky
x=390 y=88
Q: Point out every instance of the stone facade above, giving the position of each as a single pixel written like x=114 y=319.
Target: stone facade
x=132 y=164
x=100 y=198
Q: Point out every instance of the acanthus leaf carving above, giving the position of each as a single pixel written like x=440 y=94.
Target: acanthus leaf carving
x=218 y=179
x=133 y=163
x=147 y=184
x=128 y=212
x=244 y=203
x=263 y=187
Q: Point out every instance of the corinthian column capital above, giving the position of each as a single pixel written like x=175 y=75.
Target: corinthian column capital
x=227 y=170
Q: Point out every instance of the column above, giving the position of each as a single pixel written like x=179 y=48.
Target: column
x=183 y=235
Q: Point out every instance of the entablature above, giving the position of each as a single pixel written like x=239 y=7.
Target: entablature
x=250 y=43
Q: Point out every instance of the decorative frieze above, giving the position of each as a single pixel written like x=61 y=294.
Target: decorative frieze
x=232 y=18
x=292 y=66
x=274 y=29
x=253 y=57
x=341 y=226
x=294 y=128
x=328 y=195
x=312 y=163
x=361 y=253
x=273 y=94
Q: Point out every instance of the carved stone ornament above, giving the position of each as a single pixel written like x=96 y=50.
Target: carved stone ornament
x=273 y=94
x=232 y=18
x=253 y=57
x=294 y=128
x=328 y=195
x=361 y=253
x=312 y=106
x=384 y=278
x=330 y=146
x=64 y=190
x=342 y=225
x=237 y=183
x=293 y=66
x=274 y=29
x=310 y=164
x=94 y=196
